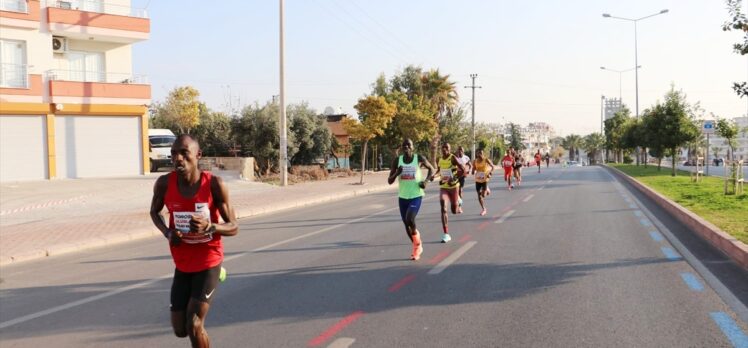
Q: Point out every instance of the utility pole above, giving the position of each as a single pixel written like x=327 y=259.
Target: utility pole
x=473 y=86
x=283 y=139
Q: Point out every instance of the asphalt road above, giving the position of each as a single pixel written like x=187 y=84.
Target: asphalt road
x=569 y=259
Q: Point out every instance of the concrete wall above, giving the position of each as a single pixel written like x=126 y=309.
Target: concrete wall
x=244 y=167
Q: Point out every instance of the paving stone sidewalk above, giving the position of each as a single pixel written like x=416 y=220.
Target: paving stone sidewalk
x=49 y=218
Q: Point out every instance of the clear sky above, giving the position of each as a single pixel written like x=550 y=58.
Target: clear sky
x=536 y=60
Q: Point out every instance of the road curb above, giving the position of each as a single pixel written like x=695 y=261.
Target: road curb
x=142 y=233
x=733 y=248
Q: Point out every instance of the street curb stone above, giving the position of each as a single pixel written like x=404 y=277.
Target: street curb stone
x=142 y=233
x=733 y=248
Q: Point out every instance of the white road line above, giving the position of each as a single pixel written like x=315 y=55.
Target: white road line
x=550 y=181
x=110 y=293
x=504 y=217
x=452 y=258
x=528 y=198
x=727 y=296
x=541 y=187
x=343 y=342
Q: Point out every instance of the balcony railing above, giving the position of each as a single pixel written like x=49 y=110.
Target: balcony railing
x=14 y=6
x=98 y=7
x=96 y=76
x=14 y=76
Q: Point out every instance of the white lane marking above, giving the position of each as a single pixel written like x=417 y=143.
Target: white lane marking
x=541 y=187
x=528 y=198
x=452 y=258
x=110 y=293
x=343 y=342
x=504 y=217
x=550 y=181
x=727 y=296
x=49 y=311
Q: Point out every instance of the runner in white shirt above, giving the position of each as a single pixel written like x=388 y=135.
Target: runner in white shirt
x=465 y=161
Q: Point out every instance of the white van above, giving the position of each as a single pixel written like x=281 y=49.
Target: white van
x=159 y=147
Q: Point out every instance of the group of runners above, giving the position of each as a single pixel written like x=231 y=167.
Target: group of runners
x=452 y=170
x=195 y=199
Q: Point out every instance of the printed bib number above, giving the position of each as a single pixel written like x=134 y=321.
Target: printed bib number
x=182 y=223
x=408 y=173
x=446 y=174
x=507 y=163
x=480 y=175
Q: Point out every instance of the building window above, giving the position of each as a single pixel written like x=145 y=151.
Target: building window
x=86 y=66
x=13 y=72
x=14 y=6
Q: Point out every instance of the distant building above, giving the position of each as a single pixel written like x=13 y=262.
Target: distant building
x=612 y=106
x=70 y=106
x=537 y=136
x=335 y=124
x=741 y=150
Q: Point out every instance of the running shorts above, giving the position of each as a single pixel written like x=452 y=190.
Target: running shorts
x=200 y=286
x=409 y=206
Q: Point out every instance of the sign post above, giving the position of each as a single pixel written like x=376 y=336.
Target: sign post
x=708 y=129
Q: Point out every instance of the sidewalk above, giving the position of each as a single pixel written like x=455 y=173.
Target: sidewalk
x=48 y=218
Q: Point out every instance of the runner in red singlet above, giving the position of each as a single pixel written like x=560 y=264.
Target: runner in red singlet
x=508 y=164
x=194 y=198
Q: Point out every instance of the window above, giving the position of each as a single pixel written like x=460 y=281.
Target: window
x=86 y=66
x=13 y=64
x=14 y=6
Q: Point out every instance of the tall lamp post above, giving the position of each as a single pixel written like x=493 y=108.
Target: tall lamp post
x=473 y=86
x=636 y=58
x=283 y=135
x=620 y=74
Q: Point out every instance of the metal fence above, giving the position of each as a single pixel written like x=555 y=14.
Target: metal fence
x=98 y=7
x=14 y=75
x=96 y=76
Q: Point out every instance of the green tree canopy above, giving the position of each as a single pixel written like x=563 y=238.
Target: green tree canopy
x=374 y=115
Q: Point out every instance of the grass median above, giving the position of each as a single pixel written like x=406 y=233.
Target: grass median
x=706 y=198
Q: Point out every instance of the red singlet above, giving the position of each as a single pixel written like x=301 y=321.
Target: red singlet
x=196 y=252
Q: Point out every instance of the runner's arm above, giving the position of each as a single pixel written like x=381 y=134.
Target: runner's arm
x=220 y=191
x=429 y=167
x=157 y=204
x=394 y=169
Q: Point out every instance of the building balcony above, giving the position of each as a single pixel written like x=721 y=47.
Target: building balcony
x=89 y=87
x=95 y=20
x=17 y=86
x=22 y=14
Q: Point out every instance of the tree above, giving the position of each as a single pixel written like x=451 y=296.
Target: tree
x=313 y=137
x=614 y=131
x=678 y=128
x=374 y=114
x=182 y=109
x=258 y=133
x=515 y=137
x=653 y=126
x=413 y=120
x=572 y=142
x=213 y=132
x=728 y=130
x=592 y=144
x=738 y=21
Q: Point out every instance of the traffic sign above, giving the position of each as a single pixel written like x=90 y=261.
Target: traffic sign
x=708 y=127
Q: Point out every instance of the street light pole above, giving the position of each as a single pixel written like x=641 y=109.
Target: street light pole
x=620 y=75
x=636 y=59
x=283 y=139
x=473 y=86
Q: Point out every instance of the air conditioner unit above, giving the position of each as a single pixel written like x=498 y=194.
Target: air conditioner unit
x=65 y=5
x=59 y=44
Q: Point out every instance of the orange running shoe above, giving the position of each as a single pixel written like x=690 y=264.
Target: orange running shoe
x=417 y=248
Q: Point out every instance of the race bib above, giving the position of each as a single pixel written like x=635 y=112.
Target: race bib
x=507 y=163
x=408 y=173
x=480 y=175
x=182 y=223
x=446 y=174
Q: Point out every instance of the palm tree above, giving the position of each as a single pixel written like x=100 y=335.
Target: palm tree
x=442 y=94
x=592 y=143
x=572 y=142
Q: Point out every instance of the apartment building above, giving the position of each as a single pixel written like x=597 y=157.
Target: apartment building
x=741 y=150
x=70 y=105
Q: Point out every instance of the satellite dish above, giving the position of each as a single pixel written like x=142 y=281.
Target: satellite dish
x=329 y=111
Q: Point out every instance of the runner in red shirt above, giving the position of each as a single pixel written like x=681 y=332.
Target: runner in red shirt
x=194 y=198
x=538 y=159
x=508 y=164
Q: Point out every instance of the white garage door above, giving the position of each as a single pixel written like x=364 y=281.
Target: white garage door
x=93 y=146
x=23 y=148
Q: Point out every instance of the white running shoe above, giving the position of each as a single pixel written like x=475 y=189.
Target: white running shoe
x=446 y=238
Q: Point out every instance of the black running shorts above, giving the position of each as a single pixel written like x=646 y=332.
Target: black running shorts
x=200 y=286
